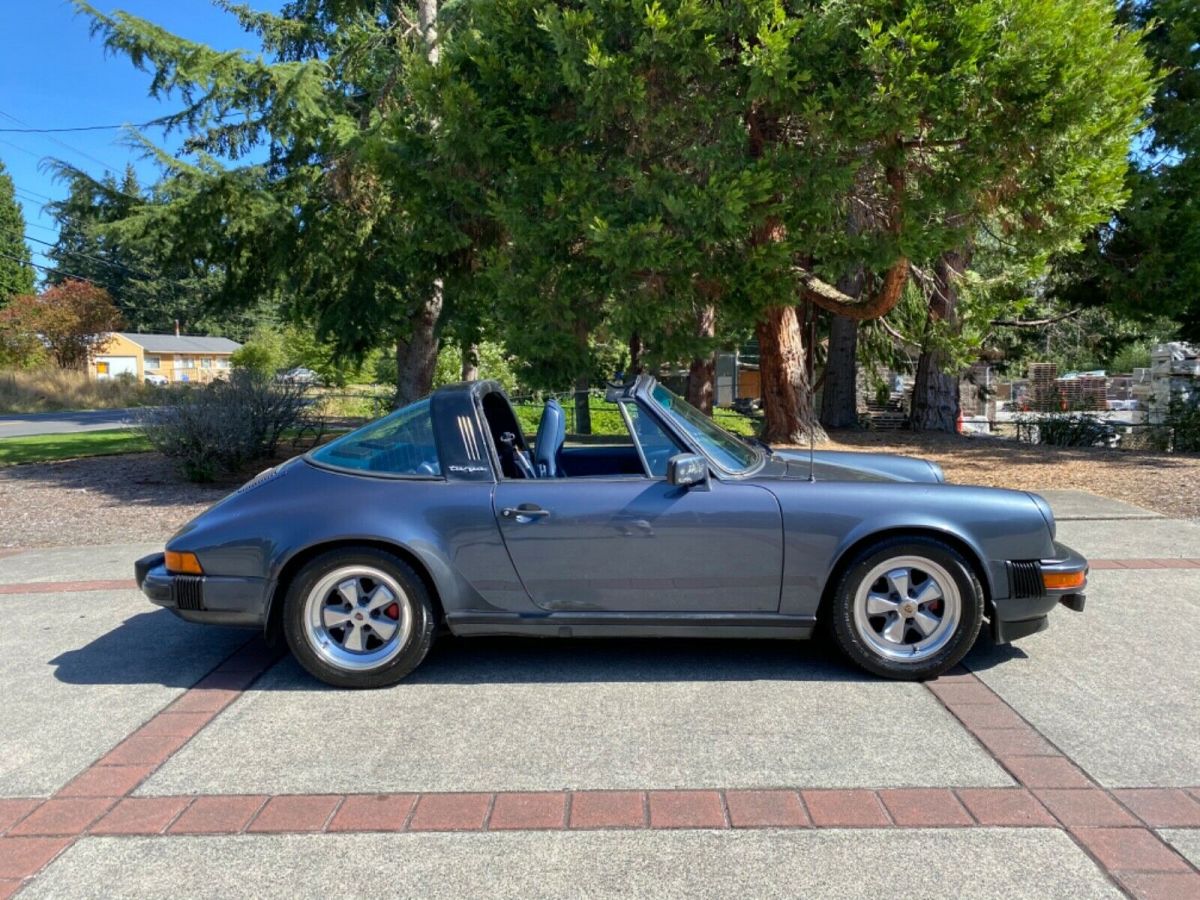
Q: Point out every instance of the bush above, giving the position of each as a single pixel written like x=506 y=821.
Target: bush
x=221 y=427
x=1184 y=421
x=1067 y=430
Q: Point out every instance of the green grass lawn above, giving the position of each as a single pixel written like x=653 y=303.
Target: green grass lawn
x=48 y=447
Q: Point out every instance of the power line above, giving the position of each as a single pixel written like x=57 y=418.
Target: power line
x=83 y=153
x=49 y=269
x=78 y=128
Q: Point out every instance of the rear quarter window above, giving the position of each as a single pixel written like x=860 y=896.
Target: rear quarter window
x=399 y=444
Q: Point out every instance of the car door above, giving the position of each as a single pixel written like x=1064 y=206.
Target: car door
x=639 y=544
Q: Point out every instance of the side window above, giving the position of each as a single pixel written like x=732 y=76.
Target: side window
x=400 y=444
x=657 y=446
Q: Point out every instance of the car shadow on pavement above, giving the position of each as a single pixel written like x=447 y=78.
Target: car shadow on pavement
x=149 y=648
x=121 y=656
x=986 y=654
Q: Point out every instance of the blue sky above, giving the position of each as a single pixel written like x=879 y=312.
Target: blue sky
x=53 y=74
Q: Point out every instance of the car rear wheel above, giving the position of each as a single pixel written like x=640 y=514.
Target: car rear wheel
x=907 y=608
x=358 y=618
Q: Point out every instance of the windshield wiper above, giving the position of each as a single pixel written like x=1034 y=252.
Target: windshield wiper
x=759 y=442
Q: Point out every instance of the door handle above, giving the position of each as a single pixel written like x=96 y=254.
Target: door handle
x=524 y=513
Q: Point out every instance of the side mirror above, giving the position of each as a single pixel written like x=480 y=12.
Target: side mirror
x=687 y=469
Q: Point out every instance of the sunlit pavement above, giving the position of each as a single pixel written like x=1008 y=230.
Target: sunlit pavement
x=141 y=756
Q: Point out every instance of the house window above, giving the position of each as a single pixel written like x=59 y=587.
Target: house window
x=187 y=362
x=152 y=362
x=223 y=363
x=205 y=362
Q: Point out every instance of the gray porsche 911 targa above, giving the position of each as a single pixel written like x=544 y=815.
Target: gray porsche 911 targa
x=443 y=516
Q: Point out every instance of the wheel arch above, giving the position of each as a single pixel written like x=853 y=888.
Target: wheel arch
x=970 y=553
x=273 y=626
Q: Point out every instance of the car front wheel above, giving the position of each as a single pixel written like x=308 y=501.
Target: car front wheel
x=907 y=608
x=358 y=618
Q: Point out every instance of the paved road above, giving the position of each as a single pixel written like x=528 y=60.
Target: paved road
x=1067 y=764
x=26 y=424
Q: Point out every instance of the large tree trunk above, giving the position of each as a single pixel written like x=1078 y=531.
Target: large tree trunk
x=416 y=353
x=786 y=392
x=703 y=372
x=635 y=357
x=470 y=362
x=935 y=400
x=839 y=395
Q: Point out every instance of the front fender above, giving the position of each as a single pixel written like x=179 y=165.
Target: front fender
x=825 y=521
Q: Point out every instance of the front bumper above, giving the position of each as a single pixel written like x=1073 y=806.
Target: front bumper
x=1025 y=610
x=211 y=599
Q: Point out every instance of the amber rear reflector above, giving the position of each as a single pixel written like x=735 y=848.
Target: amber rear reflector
x=183 y=563
x=1058 y=581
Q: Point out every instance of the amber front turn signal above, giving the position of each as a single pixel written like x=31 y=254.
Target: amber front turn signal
x=1061 y=581
x=183 y=563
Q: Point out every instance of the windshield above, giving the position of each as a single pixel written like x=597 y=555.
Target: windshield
x=727 y=451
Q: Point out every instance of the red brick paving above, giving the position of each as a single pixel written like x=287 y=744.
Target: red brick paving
x=608 y=809
x=63 y=816
x=925 y=807
x=1130 y=850
x=218 y=815
x=1162 y=886
x=373 y=812
x=533 y=810
x=1047 y=772
x=845 y=808
x=1084 y=807
x=986 y=715
x=140 y=750
x=8 y=887
x=1162 y=807
x=686 y=809
x=65 y=587
x=12 y=811
x=176 y=724
x=1005 y=807
x=21 y=857
x=766 y=809
x=1004 y=742
x=295 y=813
x=141 y=815
x=105 y=781
x=450 y=812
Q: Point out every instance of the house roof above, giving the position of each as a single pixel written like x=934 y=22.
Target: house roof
x=185 y=343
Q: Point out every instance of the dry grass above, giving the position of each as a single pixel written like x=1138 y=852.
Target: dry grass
x=1162 y=482
x=49 y=390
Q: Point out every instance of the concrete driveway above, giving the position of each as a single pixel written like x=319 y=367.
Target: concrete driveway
x=27 y=424
x=140 y=756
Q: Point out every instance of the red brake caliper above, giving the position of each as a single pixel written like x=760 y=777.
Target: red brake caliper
x=393 y=611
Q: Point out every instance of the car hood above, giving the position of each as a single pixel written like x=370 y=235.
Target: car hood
x=838 y=465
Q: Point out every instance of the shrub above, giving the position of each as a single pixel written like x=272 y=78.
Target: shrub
x=1184 y=421
x=223 y=426
x=1067 y=430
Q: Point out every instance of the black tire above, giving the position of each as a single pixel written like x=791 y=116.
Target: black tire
x=959 y=636
x=401 y=659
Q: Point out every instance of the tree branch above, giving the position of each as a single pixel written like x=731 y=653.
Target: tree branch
x=1035 y=323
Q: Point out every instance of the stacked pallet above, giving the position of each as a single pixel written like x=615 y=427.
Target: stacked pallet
x=1043 y=387
x=1094 y=392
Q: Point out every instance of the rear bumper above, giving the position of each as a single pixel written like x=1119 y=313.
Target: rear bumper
x=209 y=599
x=1019 y=616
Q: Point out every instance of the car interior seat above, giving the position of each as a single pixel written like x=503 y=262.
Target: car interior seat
x=551 y=435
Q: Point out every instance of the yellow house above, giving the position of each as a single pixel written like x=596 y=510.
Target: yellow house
x=177 y=358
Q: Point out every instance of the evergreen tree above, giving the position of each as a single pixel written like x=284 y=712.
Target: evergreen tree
x=16 y=268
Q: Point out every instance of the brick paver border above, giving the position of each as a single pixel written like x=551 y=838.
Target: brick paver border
x=1115 y=828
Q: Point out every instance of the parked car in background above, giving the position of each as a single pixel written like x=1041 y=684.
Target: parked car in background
x=443 y=515
x=157 y=380
x=299 y=375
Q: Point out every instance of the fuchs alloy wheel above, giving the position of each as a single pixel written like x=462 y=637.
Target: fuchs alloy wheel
x=358 y=618
x=907 y=608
